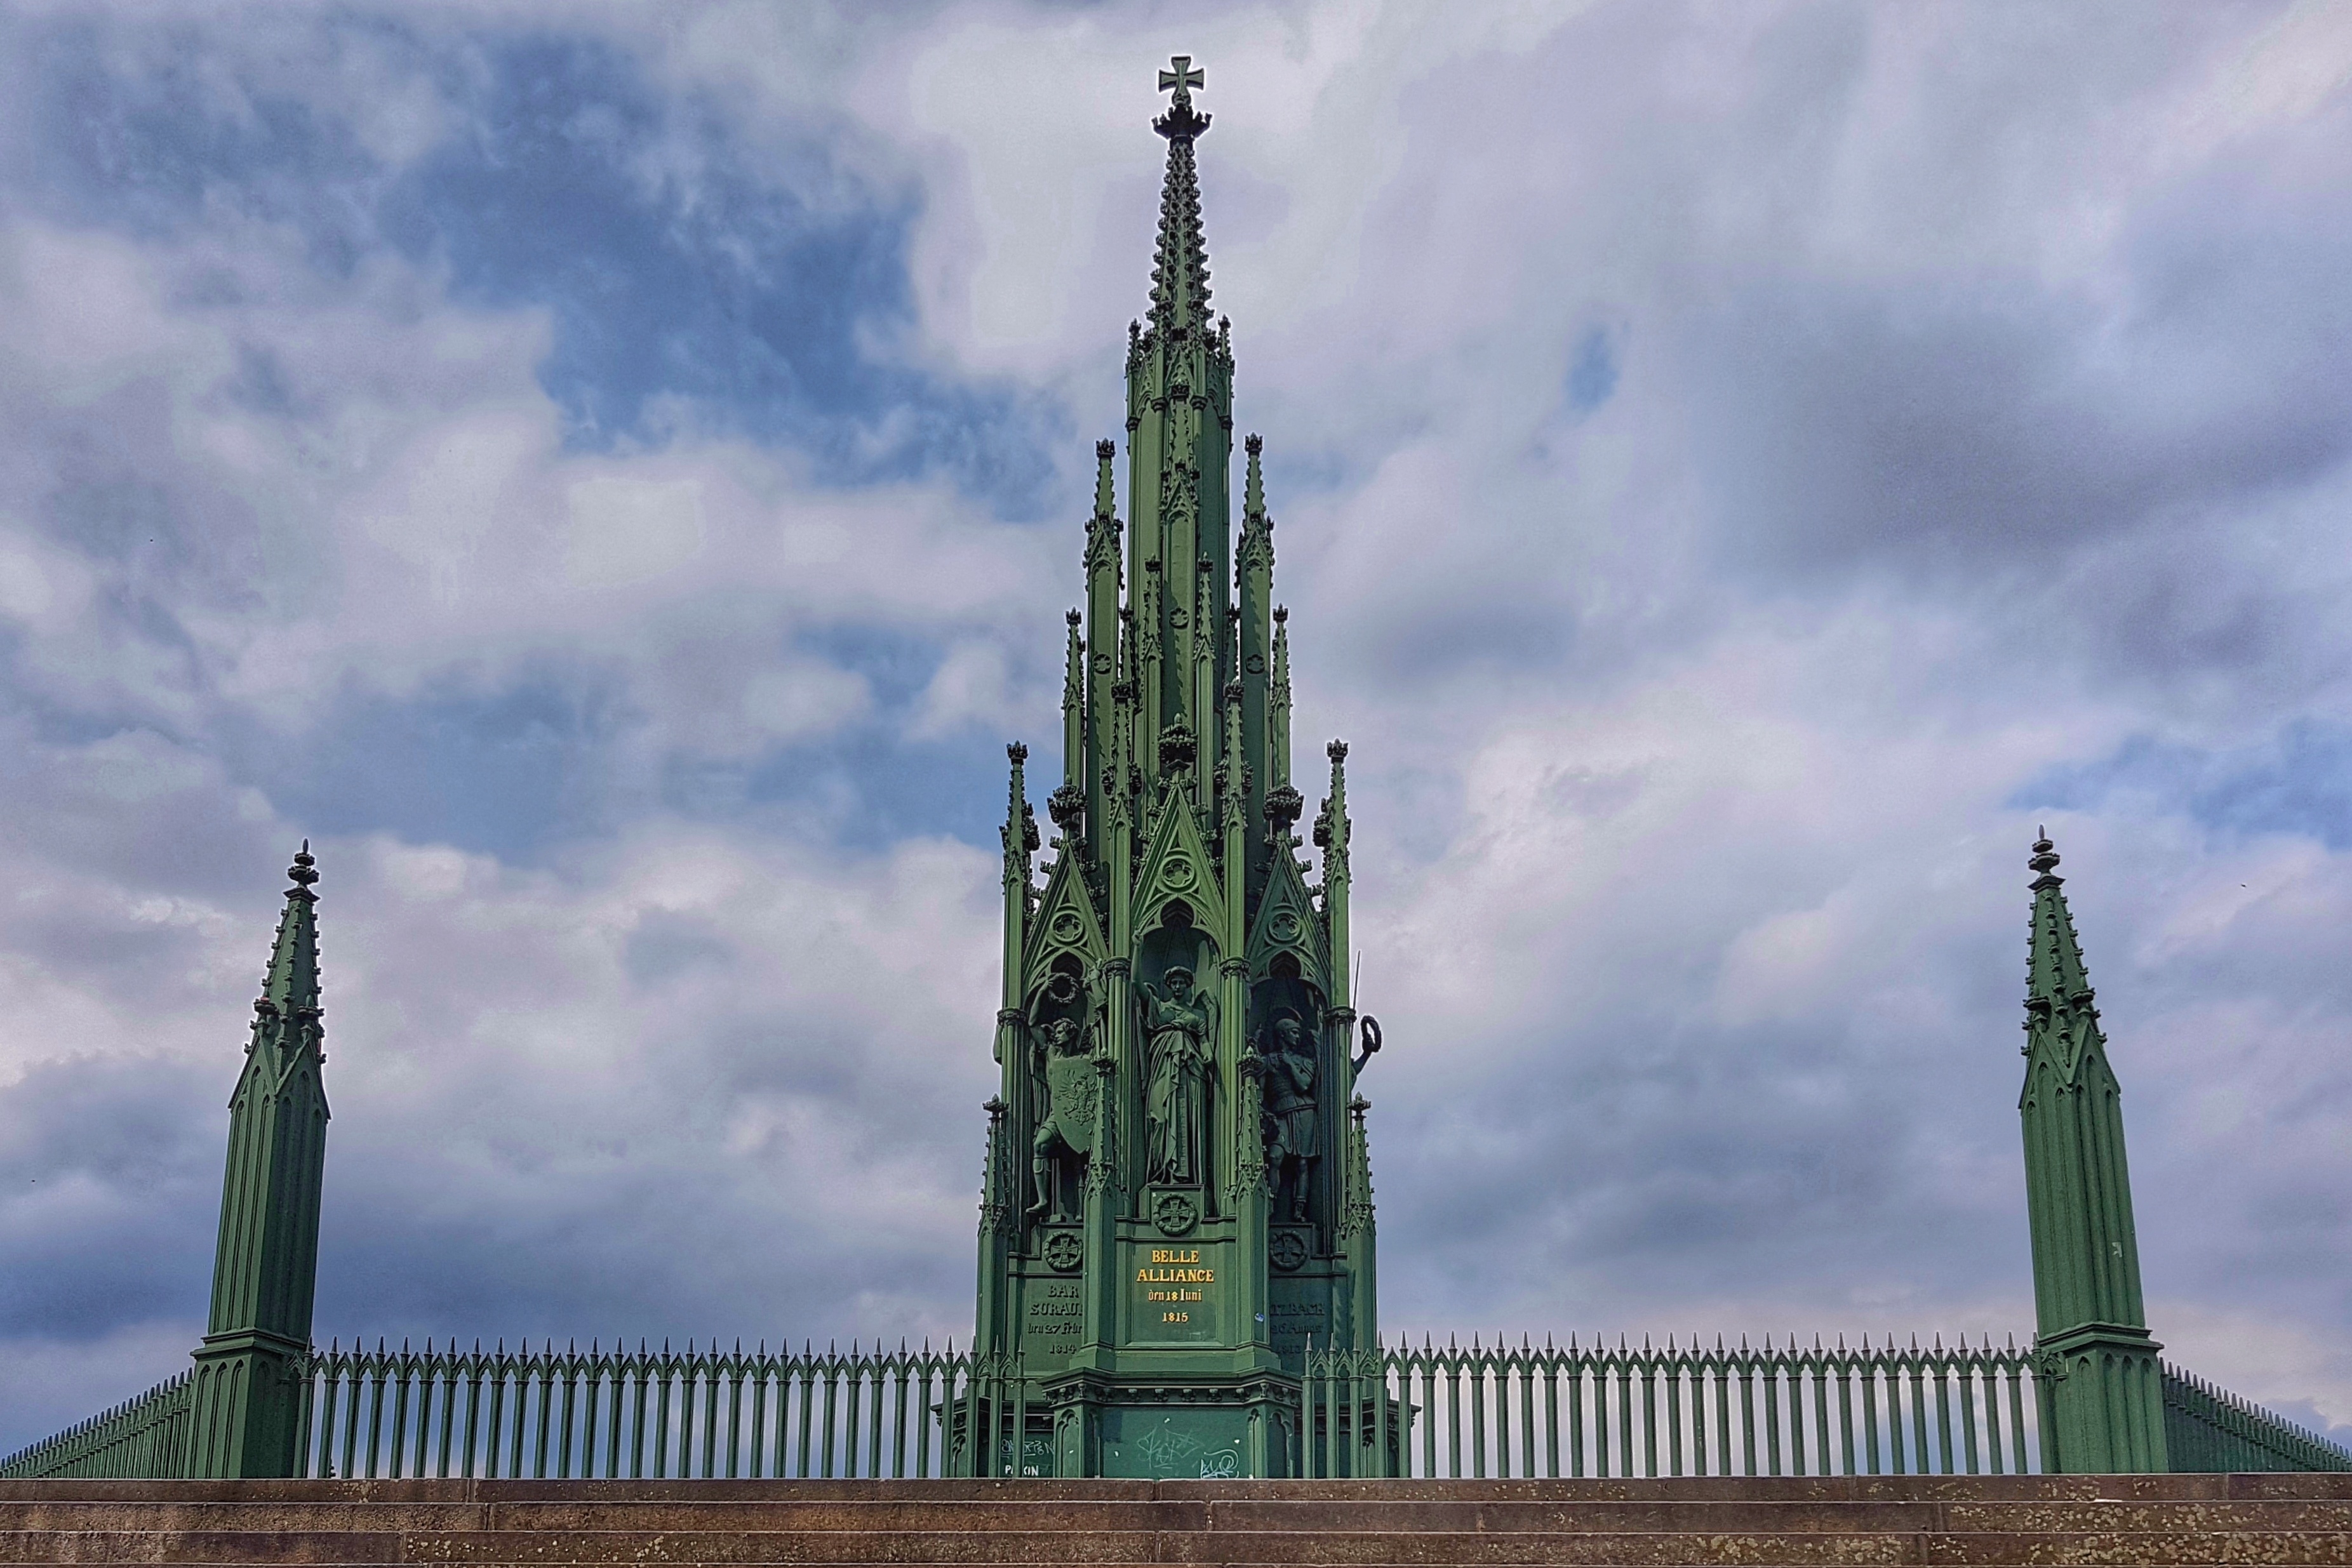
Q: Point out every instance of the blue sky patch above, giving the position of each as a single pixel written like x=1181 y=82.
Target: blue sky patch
x=504 y=772
x=761 y=292
x=1592 y=372
x=2299 y=782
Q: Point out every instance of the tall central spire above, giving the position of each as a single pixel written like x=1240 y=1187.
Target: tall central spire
x=1180 y=269
x=1180 y=426
x=1174 y=1035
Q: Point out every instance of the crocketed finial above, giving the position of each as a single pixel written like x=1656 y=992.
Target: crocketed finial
x=305 y=870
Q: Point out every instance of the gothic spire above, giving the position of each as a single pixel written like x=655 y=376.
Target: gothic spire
x=1020 y=829
x=1180 y=269
x=1106 y=503
x=246 y=1401
x=2107 y=1413
x=1175 y=811
x=1258 y=529
x=1067 y=804
x=290 y=986
x=2055 y=975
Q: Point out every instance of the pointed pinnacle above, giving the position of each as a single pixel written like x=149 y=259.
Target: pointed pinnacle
x=1106 y=492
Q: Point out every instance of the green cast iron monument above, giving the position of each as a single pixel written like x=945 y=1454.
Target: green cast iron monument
x=1178 y=1198
x=1176 y=1269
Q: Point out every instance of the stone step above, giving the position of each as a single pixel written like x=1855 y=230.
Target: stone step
x=1907 y=1489
x=2167 y=1522
x=1352 y=1550
x=1370 y=1512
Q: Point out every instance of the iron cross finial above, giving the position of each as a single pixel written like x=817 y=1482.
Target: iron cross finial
x=1183 y=76
x=1182 y=122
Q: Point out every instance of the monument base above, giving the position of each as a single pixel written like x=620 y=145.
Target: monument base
x=1179 y=1429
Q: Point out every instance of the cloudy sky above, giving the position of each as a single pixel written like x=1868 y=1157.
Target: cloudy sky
x=610 y=478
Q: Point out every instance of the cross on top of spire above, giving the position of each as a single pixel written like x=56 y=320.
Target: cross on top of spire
x=1180 y=120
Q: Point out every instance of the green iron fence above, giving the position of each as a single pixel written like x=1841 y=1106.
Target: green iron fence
x=147 y=1436
x=559 y=1413
x=1448 y=1411
x=2211 y=1428
x=1436 y=1411
x=1675 y=1410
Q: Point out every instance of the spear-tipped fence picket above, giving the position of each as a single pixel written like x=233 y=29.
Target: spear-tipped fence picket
x=1684 y=1409
x=1436 y=1411
x=557 y=1413
x=1673 y=1410
x=2208 y=1427
x=147 y=1436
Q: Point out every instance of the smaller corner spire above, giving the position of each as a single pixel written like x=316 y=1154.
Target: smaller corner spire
x=1332 y=824
x=1066 y=805
x=1256 y=546
x=246 y=1401
x=1020 y=820
x=2105 y=1412
x=1106 y=497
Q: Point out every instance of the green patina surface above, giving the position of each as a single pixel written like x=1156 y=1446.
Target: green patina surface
x=2102 y=1393
x=1178 y=1195
x=253 y=1368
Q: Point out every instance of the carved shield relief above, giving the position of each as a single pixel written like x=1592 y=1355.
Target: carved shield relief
x=1072 y=1092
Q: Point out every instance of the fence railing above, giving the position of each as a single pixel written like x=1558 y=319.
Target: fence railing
x=1675 y=1410
x=554 y=1413
x=146 y=1435
x=2209 y=1428
x=1436 y=1411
